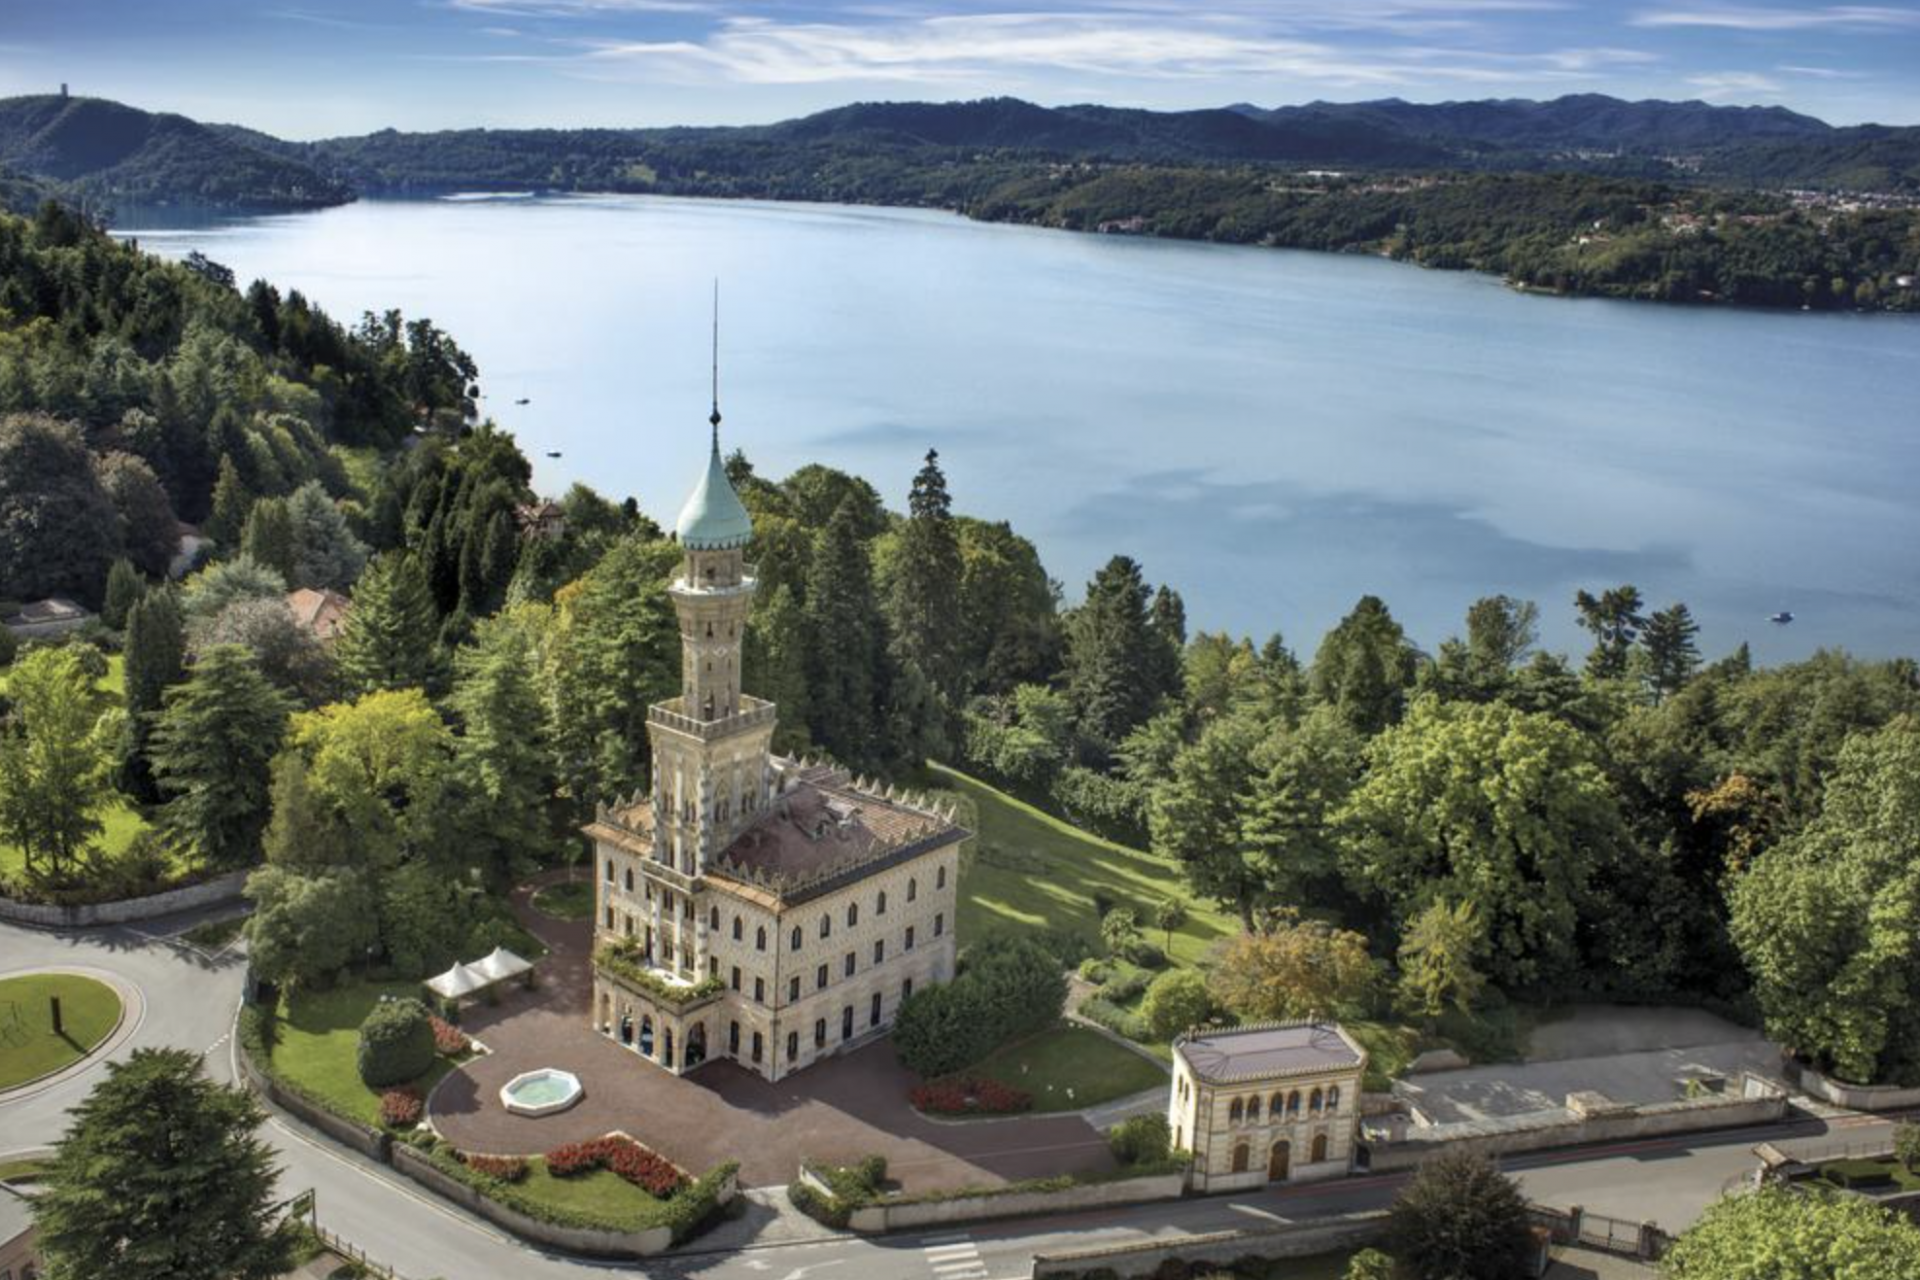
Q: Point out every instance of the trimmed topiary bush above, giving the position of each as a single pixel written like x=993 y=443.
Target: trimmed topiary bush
x=396 y=1043
x=1141 y=1139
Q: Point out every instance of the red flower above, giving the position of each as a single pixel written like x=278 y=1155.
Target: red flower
x=449 y=1040
x=505 y=1168
x=625 y=1157
x=969 y=1095
x=400 y=1108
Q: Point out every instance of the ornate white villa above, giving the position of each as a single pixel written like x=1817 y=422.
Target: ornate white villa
x=1278 y=1102
x=768 y=910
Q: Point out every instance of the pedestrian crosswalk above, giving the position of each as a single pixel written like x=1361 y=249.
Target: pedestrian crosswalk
x=954 y=1257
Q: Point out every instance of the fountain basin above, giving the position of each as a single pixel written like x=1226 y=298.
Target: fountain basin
x=541 y=1093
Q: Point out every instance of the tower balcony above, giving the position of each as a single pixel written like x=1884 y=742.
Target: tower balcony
x=753 y=711
x=746 y=586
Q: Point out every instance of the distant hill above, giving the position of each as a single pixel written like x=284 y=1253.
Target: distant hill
x=109 y=152
x=1867 y=157
x=21 y=194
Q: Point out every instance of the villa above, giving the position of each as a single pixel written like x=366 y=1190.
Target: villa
x=768 y=910
x=1275 y=1102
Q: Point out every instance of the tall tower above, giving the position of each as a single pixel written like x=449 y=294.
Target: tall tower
x=711 y=771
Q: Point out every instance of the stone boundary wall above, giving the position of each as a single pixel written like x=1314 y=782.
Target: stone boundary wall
x=1544 y=1129
x=1854 y=1097
x=1290 y=1240
x=877 y=1219
x=208 y=893
x=583 y=1240
x=375 y=1144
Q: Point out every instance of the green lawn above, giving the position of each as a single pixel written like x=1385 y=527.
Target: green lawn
x=27 y=1169
x=29 y=1048
x=602 y=1193
x=1865 y=1173
x=569 y=900
x=319 y=1041
x=1030 y=870
x=1068 y=1068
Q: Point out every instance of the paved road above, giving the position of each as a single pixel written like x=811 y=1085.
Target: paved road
x=191 y=999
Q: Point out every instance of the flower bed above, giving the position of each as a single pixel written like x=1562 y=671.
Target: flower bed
x=624 y=1157
x=970 y=1096
x=499 y=1168
x=449 y=1041
x=401 y=1108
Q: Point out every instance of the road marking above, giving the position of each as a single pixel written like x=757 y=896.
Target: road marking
x=954 y=1257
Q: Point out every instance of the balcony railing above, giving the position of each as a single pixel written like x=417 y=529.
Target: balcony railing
x=753 y=711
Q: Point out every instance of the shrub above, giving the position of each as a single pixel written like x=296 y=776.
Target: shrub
x=499 y=1168
x=448 y=1040
x=396 y=1043
x=1369 y=1264
x=970 y=1095
x=1141 y=1139
x=1175 y=1001
x=1096 y=971
x=1906 y=1145
x=1146 y=955
x=1124 y=986
x=873 y=1170
x=401 y=1108
x=1114 y=1018
x=624 y=1157
x=1460 y=1216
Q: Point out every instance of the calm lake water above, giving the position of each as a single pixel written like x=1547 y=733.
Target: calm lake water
x=1274 y=433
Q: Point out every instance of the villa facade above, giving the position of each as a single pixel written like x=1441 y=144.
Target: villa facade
x=1278 y=1102
x=768 y=910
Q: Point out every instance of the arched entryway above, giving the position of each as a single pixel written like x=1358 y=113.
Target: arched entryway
x=1319 y=1147
x=697 y=1045
x=1279 y=1161
x=1241 y=1156
x=646 y=1035
x=626 y=1028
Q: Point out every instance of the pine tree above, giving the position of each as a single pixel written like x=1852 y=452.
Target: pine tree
x=1615 y=620
x=1169 y=621
x=1672 y=652
x=123 y=590
x=212 y=753
x=156 y=653
x=162 y=1175
x=1114 y=665
x=231 y=503
x=1364 y=667
x=267 y=539
x=388 y=640
x=325 y=552
x=845 y=643
x=923 y=606
x=774 y=665
x=501 y=757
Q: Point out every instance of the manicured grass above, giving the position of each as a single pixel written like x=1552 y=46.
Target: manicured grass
x=569 y=900
x=26 y=1170
x=602 y=1193
x=1031 y=871
x=29 y=1047
x=318 y=1045
x=1069 y=1067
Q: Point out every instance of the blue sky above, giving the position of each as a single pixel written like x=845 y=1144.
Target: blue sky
x=311 y=68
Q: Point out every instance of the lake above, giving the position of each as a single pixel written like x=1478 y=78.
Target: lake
x=1272 y=432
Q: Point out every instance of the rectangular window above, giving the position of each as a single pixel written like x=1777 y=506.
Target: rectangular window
x=879 y=950
x=820 y=978
x=793 y=987
x=819 y=1032
x=906 y=989
x=909 y=937
x=629 y=879
x=736 y=977
x=760 y=990
x=873 y=1016
x=939 y=924
x=849 y=964
x=609 y=870
x=609 y=917
x=629 y=923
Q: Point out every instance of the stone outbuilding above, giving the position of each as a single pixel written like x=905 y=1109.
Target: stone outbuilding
x=1272 y=1102
x=43 y=619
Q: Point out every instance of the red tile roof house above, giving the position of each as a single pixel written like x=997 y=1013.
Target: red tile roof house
x=321 y=612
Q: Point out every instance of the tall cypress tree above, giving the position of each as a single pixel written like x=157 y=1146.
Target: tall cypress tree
x=774 y=664
x=231 y=503
x=1672 y=654
x=388 y=640
x=267 y=538
x=1169 y=621
x=213 y=750
x=924 y=603
x=1113 y=665
x=501 y=757
x=846 y=642
x=156 y=651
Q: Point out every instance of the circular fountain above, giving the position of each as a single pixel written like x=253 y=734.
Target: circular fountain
x=540 y=1093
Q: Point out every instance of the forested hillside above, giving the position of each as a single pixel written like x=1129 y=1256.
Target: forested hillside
x=112 y=154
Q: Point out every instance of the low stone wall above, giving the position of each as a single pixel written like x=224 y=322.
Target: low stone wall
x=373 y=1143
x=583 y=1240
x=1854 y=1097
x=1545 y=1129
x=880 y=1218
x=1289 y=1240
x=208 y=893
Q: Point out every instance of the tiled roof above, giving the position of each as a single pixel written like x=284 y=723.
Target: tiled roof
x=1264 y=1052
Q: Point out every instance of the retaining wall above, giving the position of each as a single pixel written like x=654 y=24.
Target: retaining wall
x=1289 y=1240
x=1543 y=1129
x=586 y=1240
x=879 y=1218
x=368 y=1141
x=1854 y=1097
x=208 y=893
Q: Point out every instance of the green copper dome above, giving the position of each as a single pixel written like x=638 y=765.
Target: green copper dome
x=713 y=519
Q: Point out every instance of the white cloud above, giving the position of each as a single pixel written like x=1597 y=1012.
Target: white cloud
x=576 y=8
x=1715 y=85
x=1845 y=16
x=1821 y=73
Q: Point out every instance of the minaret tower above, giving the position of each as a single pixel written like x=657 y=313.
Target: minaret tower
x=711 y=771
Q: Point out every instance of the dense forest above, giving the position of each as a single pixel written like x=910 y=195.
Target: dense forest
x=1442 y=832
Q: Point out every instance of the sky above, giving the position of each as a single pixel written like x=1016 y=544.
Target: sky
x=318 y=68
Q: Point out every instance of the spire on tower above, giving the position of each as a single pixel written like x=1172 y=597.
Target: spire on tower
x=714 y=418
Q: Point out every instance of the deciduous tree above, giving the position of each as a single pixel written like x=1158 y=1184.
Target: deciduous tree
x=1460 y=1219
x=58 y=745
x=58 y=528
x=1795 y=1233
x=1437 y=957
x=1294 y=969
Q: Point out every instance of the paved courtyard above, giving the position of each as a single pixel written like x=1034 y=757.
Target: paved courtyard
x=845 y=1108
x=1631 y=1055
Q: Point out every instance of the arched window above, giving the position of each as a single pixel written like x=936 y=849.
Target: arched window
x=1253 y=1108
x=1318 y=1151
x=796 y=941
x=629 y=879
x=940 y=878
x=913 y=888
x=826 y=926
x=1333 y=1098
x=853 y=914
x=1276 y=1105
x=1234 y=1112
x=1293 y=1103
x=713 y=918
x=1313 y=1103
x=736 y=928
x=880 y=904
x=760 y=938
